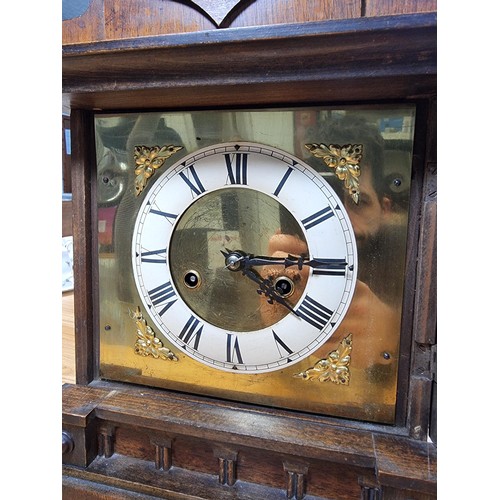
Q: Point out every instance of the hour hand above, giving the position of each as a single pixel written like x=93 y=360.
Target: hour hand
x=238 y=261
x=319 y=263
x=266 y=287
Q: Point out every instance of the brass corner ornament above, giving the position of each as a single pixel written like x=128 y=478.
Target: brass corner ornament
x=147 y=344
x=344 y=160
x=148 y=160
x=333 y=369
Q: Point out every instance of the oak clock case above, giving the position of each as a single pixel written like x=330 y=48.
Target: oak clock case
x=228 y=263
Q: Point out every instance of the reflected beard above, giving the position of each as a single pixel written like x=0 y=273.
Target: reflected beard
x=381 y=262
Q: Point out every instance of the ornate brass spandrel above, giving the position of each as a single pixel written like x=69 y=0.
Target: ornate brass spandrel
x=335 y=368
x=147 y=344
x=344 y=160
x=148 y=160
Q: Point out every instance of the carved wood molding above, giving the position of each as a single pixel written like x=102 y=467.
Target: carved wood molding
x=393 y=56
x=172 y=421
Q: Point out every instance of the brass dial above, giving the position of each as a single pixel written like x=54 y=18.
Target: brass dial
x=231 y=218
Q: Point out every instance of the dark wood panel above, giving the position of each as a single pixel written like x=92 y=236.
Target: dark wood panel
x=84 y=245
x=111 y=19
x=138 y=18
x=236 y=425
x=122 y=19
x=265 y=446
x=264 y=12
x=425 y=319
x=392 y=7
x=67 y=218
x=79 y=401
x=88 y=27
x=74 y=488
x=66 y=155
x=274 y=93
x=412 y=460
x=139 y=479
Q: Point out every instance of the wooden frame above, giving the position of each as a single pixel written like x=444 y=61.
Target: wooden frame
x=388 y=58
x=66 y=158
x=348 y=61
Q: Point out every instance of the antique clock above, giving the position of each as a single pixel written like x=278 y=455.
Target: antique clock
x=246 y=248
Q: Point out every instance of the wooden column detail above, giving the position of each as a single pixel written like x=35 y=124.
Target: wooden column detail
x=296 y=475
x=370 y=493
x=106 y=440
x=227 y=465
x=163 y=453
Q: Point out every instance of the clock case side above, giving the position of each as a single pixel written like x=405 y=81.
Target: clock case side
x=86 y=293
x=416 y=377
x=86 y=90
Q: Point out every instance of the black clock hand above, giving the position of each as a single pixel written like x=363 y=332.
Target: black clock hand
x=266 y=287
x=235 y=262
x=241 y=260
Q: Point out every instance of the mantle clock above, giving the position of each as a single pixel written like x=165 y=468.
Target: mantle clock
x=254 y=238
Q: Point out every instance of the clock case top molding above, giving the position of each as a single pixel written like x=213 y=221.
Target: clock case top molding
x=349 y=61
x=390 y=57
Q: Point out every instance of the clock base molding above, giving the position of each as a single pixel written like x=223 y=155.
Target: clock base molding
x=134 y=442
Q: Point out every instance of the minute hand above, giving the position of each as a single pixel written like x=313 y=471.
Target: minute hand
x=292 y=260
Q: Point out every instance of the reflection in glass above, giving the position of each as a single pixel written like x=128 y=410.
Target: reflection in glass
x=379 y=220
x=212 y=225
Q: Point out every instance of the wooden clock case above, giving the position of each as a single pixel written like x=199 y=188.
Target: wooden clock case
x=124 y=441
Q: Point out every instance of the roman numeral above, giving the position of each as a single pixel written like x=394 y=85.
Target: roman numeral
x=233 y=349
x=163 y=214
x=314 y=313
x=188 y=332
x=161 y=260
x=196 y=189
x=318 y=217
x=162 y=294
x=237 y=168
x=280 y=343
x=283 y=180
x=336 y=267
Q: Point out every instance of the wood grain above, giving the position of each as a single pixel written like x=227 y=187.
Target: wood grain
x=83 y=174
x=121 y=19
x=393 y=57
x=68 y=339
x=263 y=443
x=67 y=218
x=266 y=12
x=394 y=7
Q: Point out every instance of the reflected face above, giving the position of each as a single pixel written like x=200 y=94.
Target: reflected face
x=371 y=213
